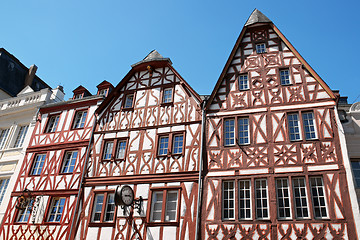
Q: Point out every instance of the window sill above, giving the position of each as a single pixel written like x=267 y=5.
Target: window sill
x=152 y=224
x=127 y=109
x=102 y=224
x=166 y=104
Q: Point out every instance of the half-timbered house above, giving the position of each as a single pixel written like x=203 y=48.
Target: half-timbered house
x=277 y=168
x=43 y=201
x=147 y=137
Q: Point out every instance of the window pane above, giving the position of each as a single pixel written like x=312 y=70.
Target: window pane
x=56 y=210
x=163 y=145
x=80 y=118
x=243 y=82
x=38 y=164
x=294 y=127
x=309 y=127
x=285 y=77
x=156 y=206
x=21 y=136
x=110 y=208
x=355 y=165
x=3 y=136
x=129 y=101
x=69 y=162
x=52 y=124
x=318 y=197
x=171 y=206
x=261 y=198
x=178 y=144
x=228 y=200
x=108 y=148
x=244 y=199
x=167 y=97
x=97 y=208
x=121 y=148
x=24 y=214
x=260 y=48
x=229 y=132
x=3 y=186
x=283 y=198
x=301 y=206
x=243 y=127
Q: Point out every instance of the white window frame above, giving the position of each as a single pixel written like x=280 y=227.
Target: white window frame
x=285 y=77
x=319 y=198
x=4 y=182
x=243 y=81
x=69 y=161
x=163 y=148
x=306 y=123
x=120 y=149
x=110 y=202
x=21 y=134
x=4 y=133
x=260 y=48
x=243 y=129
x=167 y=97
x=80 y=119
x=57 y=207
x=108 y=150
x=285 y=190
x=229 y=129
x=296 y=127
x=168 y=204
x=262 y=198
x=301 y=197
x=178 y=145
x=156 y=200
x=245 y=199
x=164 y=212
x=38 y=164
x=226 y=197
x=95 y=206
x=52 y=123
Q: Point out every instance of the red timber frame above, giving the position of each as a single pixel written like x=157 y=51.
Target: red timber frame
x=142 y=168
x=51 y=183
x=271 y=155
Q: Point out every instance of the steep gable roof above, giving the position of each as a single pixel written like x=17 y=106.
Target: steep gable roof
x=259 y=17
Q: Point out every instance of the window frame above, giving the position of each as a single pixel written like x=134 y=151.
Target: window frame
x=228 y=209
x=21 y=211
x=267 y=199
x=355 y=177
x=4 y=137
x=303 y=113
x=104 y=205
x=236 y=131
x=324 y=196
x=258 y=44
x=4 y=183
x=300 y=115
x=164 y=191
x=20 y=136
x=288 y=82
x=245 y=199
x=283 y=198
x=75 y=116
x=306 y=185
x=170 y=149
x=103 y=92
x=65 y=153
x=31 y=171
x=49 y=210
x=114 y=149
x=124 y=106
x=299 y=126
x=48 y=122
x=171 y=101
x=247 y=82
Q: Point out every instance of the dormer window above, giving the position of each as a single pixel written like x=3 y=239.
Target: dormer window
x=103 y=92
x=78 y=96
x=260 y=48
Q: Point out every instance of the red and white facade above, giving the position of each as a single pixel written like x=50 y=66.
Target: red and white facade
x=147 y=137
x=49 y=179
x=277 y=168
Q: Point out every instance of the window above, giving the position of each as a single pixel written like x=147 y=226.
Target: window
x=243 y=126
x=318 y=197
x=355 y=165
x=108 y=148
x=3 y=186
x=38 y=164
x=3 y=135
x=285 y=77
x=121 y=149
x=103 y=208
x=80 y=118
x=283 y=198
x=21 y=136
x=164 y=206
x=23 y=215
x=228 y=200
x=300 y=198
x=69 y=162
x=171 y=144
x=294 y=127
x=52 y=123
x=56 y=209
x=114 y=149
x=309 y=127
x=243 y=82
x=242 y=130
x=260 y=48
x=244 y=199
x=261 y=199
x=103 y=92
x=229 y=132
x=167 y=95
x=78 y=96
x=129 y=100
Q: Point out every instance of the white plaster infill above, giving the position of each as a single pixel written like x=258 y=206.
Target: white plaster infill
x=306 y=105
x=221 y=173
x=288 y=169
x=323 y=167
x=257 y=110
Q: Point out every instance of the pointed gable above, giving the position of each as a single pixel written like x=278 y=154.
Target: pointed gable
x=260 y=56
x=80 y=92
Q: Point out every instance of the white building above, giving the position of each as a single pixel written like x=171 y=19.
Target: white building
x=17 y=120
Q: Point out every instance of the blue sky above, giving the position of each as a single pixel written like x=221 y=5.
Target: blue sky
x=85 y=42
